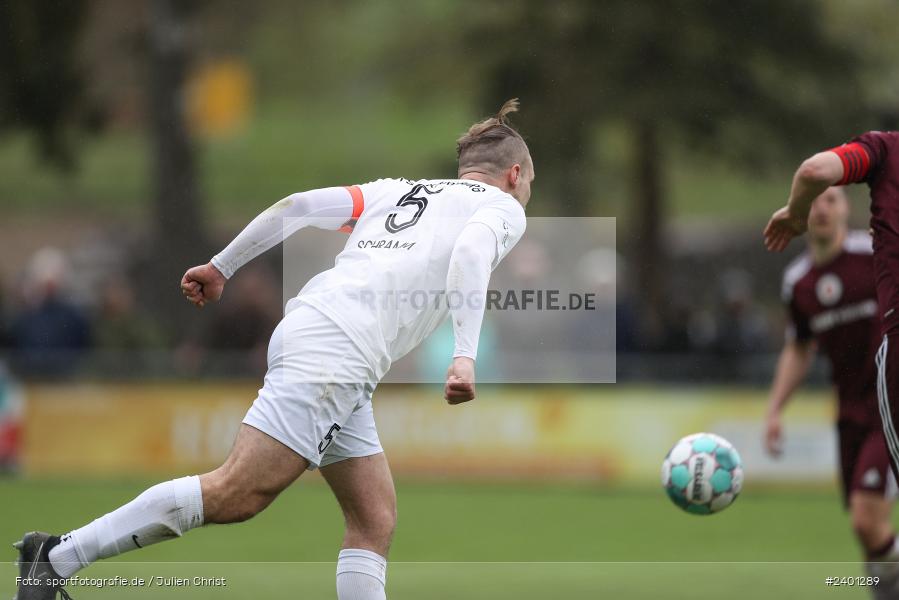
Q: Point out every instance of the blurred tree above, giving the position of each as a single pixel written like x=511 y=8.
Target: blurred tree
x=42 y=84
x=747 y=80
x=870 y=27
x=180 y=231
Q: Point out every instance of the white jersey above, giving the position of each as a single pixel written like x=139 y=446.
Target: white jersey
x=387 y=289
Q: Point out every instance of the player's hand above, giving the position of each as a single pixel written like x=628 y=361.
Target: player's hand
x=202 y=284
x=459 y=386
x=774 y=436
x=782 y=228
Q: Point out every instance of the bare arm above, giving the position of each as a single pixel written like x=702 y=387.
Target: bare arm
x=792 y=367
x=811 y=179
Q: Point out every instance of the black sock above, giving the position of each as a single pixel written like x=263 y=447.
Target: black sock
x=883 y=550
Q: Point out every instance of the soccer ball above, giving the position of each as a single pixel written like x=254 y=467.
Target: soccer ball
x=702 y=474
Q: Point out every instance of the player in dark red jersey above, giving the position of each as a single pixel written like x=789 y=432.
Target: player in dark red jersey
x=872 y=158
x=830 y=297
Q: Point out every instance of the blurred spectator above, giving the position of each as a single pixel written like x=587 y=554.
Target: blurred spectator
x=236 y=339
x=437 y=354
x=4 y=328
x=675 y=335
x=529 y=268
x=50 y=333
x=604 y=272
x=11 y=416
x=126 y=339
x=119 y=326
x=743 y=327
x=703 y=329
x=595 y=336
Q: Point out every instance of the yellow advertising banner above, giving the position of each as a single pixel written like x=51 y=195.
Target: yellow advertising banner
x=605 y=433
x=130 y=428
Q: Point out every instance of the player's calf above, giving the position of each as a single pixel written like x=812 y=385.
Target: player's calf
x=372 y=529
x=874 y=535
x=364 y=488
x=870 y=516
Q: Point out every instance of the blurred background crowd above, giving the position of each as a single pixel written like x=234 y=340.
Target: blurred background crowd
x=138 y=137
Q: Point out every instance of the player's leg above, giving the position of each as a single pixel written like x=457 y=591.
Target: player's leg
x=872 y=490
x=236 y=491
x=356 y=469
x=888 y=397
x=870 y=514
x=267 y=456
x=886 y=565
x=874 y=529
x=364 y=488
x=257 y=470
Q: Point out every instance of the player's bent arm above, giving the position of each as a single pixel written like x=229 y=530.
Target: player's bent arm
x=824 y=169
x=326 y=208
x=812 y=178
x=466 y=285
x=471 y=263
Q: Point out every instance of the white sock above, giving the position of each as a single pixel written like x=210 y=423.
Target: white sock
x=361 y=575
x=164 y=511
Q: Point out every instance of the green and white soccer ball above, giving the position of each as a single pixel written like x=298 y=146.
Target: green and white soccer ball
x=702 y=474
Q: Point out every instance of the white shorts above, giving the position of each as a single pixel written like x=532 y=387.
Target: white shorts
x=316 y=398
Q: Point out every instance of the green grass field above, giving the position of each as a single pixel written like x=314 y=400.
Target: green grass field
x=478 y=541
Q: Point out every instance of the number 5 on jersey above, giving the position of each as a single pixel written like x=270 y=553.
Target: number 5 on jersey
x=410 y=199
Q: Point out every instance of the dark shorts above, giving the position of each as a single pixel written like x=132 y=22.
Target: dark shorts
x=864 y=461
x=888 y=395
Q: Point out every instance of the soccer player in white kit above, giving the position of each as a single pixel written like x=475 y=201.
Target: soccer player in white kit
x=417 y=252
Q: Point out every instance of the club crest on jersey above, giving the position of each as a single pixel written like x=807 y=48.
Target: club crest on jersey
x=871 y=478
x=829 y=289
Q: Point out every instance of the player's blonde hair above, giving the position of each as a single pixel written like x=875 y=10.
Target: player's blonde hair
x=491 y=146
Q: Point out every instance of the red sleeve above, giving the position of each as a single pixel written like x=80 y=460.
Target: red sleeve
x=856 y=162
x=864 y=154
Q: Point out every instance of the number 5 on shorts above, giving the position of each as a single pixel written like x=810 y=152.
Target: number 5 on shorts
x=329 y=437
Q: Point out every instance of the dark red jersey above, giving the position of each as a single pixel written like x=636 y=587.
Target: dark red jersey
x=835 y=304
x=873 y=158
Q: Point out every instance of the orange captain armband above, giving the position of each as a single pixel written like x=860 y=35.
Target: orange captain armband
x=856 y=162
x=358 y=206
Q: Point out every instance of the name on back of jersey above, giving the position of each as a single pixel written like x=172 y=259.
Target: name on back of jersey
x=385 y=244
